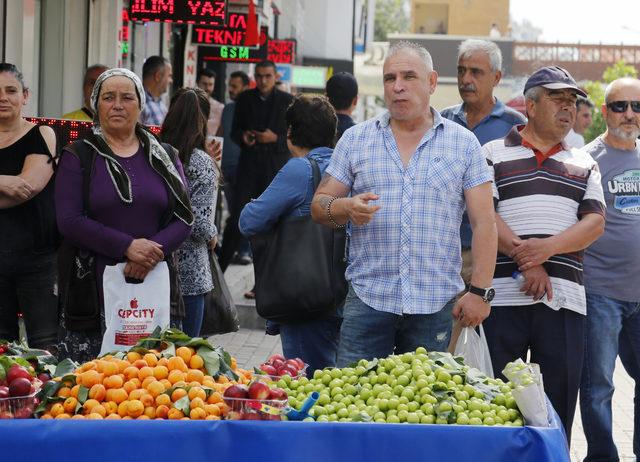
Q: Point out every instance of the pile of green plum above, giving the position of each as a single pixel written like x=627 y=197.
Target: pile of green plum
x=417 y=387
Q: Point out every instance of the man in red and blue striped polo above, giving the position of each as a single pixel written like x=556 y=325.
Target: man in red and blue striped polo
x=550 y=207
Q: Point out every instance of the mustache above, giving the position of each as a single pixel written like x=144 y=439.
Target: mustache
x=467 y=87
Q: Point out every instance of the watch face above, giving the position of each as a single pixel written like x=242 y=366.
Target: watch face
x=490 y=294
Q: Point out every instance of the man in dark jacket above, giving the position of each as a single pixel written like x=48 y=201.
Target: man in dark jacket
x=342 y=91
x=259 y=128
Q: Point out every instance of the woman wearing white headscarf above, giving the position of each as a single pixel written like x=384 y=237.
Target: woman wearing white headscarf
x=121 y=196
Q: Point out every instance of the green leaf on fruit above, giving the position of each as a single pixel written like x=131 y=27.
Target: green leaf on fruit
x=183 y=405
x=65 y=367
x=361 y=417
x=83 y=394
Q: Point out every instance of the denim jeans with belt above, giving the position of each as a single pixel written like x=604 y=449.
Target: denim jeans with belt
x=368 y=333
x=613 y=327
x=28 y=285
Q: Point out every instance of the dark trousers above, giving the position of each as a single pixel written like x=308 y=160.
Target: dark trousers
x=255 y=172
x=28 y=286
x=556 y=341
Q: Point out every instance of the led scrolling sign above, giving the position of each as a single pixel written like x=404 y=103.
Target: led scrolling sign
x=212 y=12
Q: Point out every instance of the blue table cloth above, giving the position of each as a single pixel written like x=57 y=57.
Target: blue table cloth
x=156 y=440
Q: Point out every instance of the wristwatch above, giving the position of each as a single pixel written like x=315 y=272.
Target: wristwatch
x=486 y=294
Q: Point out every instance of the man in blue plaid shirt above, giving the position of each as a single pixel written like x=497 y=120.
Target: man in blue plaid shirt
x=402 y=180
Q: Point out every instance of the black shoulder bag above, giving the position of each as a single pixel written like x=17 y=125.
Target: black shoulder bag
x=299 y=268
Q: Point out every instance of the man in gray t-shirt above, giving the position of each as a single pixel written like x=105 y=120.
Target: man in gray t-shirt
x=611 y=271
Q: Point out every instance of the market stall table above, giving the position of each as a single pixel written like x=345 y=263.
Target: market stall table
x=118 y=440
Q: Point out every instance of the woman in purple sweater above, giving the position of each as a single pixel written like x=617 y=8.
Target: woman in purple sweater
x=138 y=208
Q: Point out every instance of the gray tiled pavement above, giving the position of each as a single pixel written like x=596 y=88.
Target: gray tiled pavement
x=252 y=346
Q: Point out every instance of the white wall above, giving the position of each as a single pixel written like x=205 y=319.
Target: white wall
x=328 y=26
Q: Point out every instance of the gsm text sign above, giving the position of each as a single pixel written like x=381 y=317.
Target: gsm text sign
x=240 y=54
x=282 y=51
x=179 y=11
x=233 y=34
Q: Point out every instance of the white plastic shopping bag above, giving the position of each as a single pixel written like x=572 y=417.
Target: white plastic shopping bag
x=528 y=392
x=474 y=349
x=132 y=311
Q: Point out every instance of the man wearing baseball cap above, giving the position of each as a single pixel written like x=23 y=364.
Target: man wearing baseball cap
x=549 y=207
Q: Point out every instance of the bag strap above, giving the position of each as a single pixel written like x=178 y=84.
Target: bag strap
x=167 y=216
x=87 y=157
x=316 y=172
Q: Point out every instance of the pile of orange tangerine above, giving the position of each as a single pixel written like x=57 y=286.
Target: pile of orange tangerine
x=145 y=387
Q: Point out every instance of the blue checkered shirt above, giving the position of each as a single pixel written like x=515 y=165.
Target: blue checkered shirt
x=407 y=260
x=154 y=110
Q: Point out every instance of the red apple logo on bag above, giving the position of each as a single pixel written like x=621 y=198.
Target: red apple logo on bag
x=133 y=304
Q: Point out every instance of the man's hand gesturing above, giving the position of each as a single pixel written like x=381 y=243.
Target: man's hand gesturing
x=360 y=212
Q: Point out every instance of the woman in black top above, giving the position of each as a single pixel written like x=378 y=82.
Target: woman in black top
x=28 y=235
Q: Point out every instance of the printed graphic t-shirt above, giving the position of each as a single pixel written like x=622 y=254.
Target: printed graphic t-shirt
x=611 y=263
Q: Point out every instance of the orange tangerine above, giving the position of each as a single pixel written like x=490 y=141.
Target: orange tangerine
x=129 y=386
x=46 y=415
x=145 y=383
x=76 y=417
x=234 y=363
x=195 y=375
x=113 y=381
x=145 y=372
x=177 y=363
x=98 y=392
x=143 y=417
x=151 y=359
x=163 y=361
x=90 y=378
x=137 y=393
x=197 y=392
x=197 y=414
x=212 y=417
x=176 y=376
x=70 y=404
x=162 y=411
x=109 y=368
x=64 y=392
x=88 y=366
x=133 y=356
x=178 y=393
x=119 y=395
x=214 y=398
x=160 y=372
x=223 y=379
x=180 y=384
x=196 y=362
x=166 y=383
x=175 y=414
x=196 y=403
x=163 y=399
x=56 y=409
x=95 y=416
x=113 y=416
x=99 y=409
x=123 y=409
x=135 y=408
x=140 y=363
x=147 y=400
x=127 y=418
x=155 y=388
x=122 y=365
x=131 y=372
x=212 y=409
x=89 y=405
x=111 y=407
x=74 y=391
x=185 y=353
x=209 y=383
x=63 y=416
x=150 y=412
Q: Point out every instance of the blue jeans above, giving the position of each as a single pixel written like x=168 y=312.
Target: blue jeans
x=613 y=327
x=316 y=342
x=368 y=333
x=194 y=312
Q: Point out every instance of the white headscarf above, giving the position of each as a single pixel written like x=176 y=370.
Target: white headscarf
x=95 y=94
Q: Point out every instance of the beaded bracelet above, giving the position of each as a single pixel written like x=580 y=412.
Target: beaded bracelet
x=331 y=219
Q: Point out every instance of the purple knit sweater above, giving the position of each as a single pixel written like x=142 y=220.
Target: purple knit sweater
x=114 y=224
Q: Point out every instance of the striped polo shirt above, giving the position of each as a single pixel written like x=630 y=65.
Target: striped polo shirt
x=540 y=197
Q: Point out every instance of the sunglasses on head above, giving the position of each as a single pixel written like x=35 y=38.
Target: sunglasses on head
x=621 y=106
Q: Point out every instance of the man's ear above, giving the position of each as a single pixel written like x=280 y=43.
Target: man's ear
x=497 y=77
